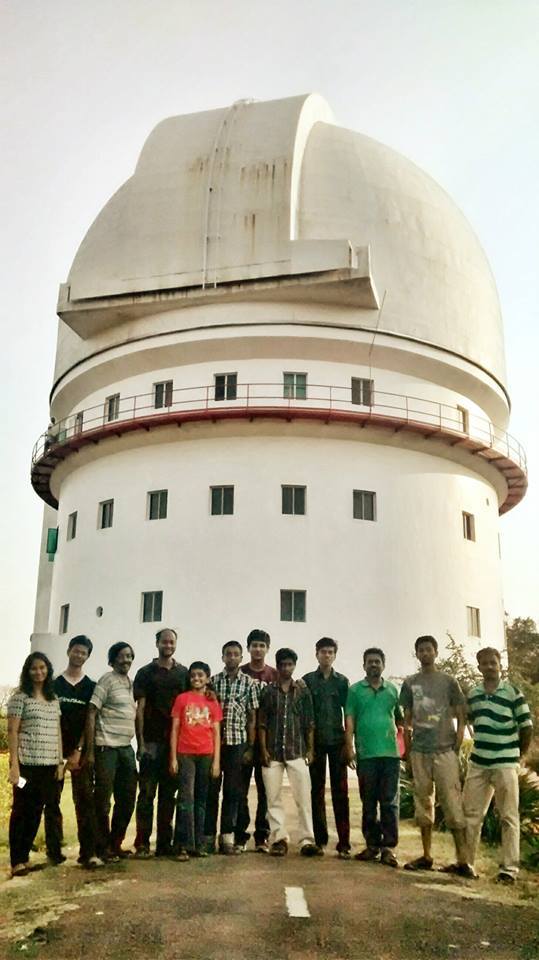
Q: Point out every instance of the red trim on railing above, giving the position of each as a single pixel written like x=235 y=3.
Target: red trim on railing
x=45 y=460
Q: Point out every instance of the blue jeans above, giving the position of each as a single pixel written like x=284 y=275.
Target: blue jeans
x=194 y=777
x=379 y=790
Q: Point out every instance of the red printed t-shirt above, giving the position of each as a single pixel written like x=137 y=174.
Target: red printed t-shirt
x=197 y=714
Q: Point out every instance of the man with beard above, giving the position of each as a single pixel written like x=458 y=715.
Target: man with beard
x=432 y=701
x=372 y=714
x=156 y=687
x=110 y=728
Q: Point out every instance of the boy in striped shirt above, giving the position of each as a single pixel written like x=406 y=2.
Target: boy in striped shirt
x=502 y=727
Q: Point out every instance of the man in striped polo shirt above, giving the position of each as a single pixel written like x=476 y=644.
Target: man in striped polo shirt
x=502 y=727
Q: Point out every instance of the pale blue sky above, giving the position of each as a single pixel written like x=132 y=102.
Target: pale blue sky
x=452 y=85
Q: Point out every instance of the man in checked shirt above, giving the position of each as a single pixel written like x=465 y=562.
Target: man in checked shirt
x=286 y=732
x=238 y=695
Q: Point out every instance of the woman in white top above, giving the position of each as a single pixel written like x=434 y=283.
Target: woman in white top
x=35 y=759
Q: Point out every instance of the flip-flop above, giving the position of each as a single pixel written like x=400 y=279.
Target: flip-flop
x=420 y=863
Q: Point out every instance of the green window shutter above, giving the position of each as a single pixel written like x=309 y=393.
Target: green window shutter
x=52 y=540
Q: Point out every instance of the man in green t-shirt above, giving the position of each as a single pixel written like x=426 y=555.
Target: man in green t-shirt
x=372 y=715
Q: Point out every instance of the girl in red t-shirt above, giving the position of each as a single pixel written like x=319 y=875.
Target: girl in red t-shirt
x=195 y=744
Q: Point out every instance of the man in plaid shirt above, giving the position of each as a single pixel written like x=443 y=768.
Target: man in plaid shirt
x=238 y=695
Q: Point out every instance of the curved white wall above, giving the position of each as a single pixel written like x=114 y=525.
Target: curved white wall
x=382 y=582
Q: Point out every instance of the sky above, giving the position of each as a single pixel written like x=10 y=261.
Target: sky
x=452 y=84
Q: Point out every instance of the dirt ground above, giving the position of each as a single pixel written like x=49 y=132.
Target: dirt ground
x=234 y=908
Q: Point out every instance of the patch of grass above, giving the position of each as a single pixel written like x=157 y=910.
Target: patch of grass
x=5 y=797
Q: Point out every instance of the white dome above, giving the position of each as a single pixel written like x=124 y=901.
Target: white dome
x=265 y=190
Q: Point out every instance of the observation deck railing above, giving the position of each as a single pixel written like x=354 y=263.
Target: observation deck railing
x=116 y=415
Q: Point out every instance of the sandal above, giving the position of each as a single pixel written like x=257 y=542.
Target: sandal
x=420 y=863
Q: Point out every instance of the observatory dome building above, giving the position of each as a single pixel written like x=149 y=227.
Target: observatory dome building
x=279 y=402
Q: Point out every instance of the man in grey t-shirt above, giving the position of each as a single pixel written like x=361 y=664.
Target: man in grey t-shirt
x=432 y=702
x=110 y=728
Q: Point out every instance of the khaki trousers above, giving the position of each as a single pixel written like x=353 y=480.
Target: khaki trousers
x=483 y=783
x=300 y=784
x=440 y=771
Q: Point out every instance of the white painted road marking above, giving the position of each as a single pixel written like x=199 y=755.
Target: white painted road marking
x=295 y=902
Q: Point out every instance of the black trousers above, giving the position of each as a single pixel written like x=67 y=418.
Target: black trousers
x=154 y=776
x=262 y=830
x=82 y=791
x=233 y=791
x=41 y=789
x=115 y=775
x=338 y=776
x=379 y=791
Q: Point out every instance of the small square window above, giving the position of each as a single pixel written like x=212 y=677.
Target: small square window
x=106 y=511
x=293 y=605
x=295 y=386
x=362 y=391
x=162 y=394
x=222 y=500
x=112 y=407
x=468 y=525
x=72 y=526
x=152 y=606
x=364 y=505
x=474 y=621
x=226 y=386
x=293 y=500
x=64 y=618
x=157 y=505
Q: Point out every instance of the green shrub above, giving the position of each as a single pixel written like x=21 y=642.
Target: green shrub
x=3 y=734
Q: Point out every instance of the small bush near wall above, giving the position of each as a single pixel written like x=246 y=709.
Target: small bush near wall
x=3 y=734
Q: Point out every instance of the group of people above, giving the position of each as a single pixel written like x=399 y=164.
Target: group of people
x=200 y=737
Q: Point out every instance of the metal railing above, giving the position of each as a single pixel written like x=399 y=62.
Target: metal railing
x=326 y=400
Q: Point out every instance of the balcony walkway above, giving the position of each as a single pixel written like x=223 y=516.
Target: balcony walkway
x=117 y=416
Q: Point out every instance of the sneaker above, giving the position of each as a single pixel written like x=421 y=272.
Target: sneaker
x=19 y=870
x=344 y=855
x=200 y=854
x=56 y=861
x=240 y=847
x=229 y=850
x=262 y=847
x=279 y=848
x=311 y=850
x=420 y=863
x=91 y=863
x=142 y=853
x=508 y=878
x=369 y=853
x=388 y=858
x=123 y=854
x=110 y=857
x=182 y=856
x=460 y=870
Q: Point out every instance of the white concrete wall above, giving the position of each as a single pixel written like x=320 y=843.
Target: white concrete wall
x=382 y=582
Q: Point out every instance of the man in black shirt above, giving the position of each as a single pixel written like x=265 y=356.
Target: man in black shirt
x=329 y=690
x=156 y=687
x=74 y=691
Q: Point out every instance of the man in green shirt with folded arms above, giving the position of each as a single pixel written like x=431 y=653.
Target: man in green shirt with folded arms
x=372 y=715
